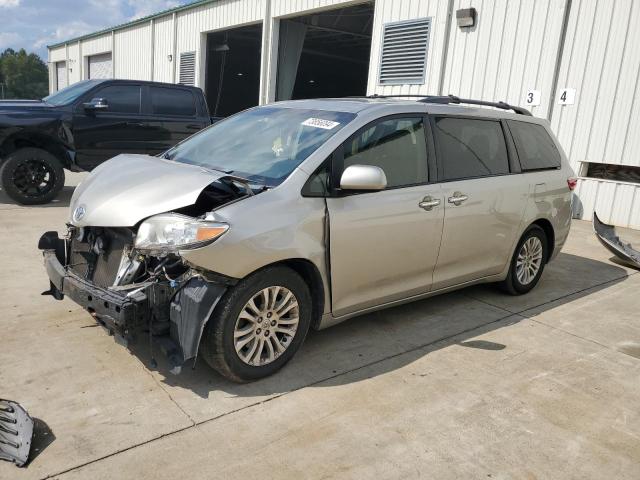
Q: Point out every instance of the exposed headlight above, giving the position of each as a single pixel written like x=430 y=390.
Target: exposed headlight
x=170 y=232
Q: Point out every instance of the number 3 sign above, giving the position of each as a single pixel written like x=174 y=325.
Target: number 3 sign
x=532 y=98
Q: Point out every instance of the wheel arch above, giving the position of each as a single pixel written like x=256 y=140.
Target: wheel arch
x=547 y=227
x=29 y=139
x=312 y=277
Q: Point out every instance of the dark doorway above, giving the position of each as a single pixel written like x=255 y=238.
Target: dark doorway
x=325 y=54
x=233 y=70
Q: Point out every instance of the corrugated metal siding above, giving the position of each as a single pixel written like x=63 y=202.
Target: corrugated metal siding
x=281 y=8
x=602 y=62
x=163 y=34
x=512 y=49
x=396 y=10
x=93 y=46
x=58 y=54
x=132 y=59
x=74 y=64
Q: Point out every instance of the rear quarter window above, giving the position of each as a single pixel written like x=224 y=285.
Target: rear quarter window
x=535 y=147
x=172 y=101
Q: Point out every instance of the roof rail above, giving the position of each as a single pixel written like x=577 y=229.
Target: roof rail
x=452 y=99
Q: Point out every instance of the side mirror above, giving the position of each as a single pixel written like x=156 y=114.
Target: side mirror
x=97 y=104
x=363 y=177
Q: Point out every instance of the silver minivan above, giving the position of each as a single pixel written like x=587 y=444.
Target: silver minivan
x=302 y=214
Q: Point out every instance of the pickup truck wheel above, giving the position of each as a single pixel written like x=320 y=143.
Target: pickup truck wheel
x=528 y=262
x=31 y=176
x=258 y=325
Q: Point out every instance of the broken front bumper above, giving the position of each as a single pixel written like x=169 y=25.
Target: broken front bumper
x=119 y=313
x=174 y=314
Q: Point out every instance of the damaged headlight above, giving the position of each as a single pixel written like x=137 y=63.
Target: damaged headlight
x=170 y=232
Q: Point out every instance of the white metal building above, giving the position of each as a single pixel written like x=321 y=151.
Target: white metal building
x=575 y=62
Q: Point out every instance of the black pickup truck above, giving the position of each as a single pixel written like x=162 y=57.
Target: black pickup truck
x=87 y=123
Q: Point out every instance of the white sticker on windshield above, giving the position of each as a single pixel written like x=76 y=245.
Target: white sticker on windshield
x=320 y=123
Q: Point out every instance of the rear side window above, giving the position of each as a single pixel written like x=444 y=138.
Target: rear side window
x=398 y=146
x=172 y=101
x=535 y=147
x=121 y=98
x=470 y=148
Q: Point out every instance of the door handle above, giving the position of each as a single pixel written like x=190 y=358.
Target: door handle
x=428 y=203
x=194 y=126
x=458 y=198
x=135 y=124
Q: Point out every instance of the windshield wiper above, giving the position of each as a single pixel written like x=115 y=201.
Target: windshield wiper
x=231 y=179
x=218 y=169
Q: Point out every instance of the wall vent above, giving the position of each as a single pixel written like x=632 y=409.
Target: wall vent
x=188 y=68
x=404 y=52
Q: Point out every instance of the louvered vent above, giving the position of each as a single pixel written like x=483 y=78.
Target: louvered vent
x=404 y=52
x=188 y=68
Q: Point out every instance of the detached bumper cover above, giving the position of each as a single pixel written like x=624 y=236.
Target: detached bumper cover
x=16 y=430
x=610 y=240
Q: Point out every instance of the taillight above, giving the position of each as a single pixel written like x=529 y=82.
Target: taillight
x=572 y=182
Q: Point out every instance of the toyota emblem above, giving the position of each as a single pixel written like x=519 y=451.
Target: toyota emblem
x=79 y=213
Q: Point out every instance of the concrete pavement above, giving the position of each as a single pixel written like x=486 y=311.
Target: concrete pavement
x=472 y=384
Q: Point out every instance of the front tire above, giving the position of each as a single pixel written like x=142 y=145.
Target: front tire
x=258 y=325
x=528 y=262
x=32 y=176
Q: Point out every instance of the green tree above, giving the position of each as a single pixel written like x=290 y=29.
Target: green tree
x=23 y=75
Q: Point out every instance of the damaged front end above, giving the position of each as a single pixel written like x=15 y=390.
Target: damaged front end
x=132 y=279
x=609 y=239
x=132 y=292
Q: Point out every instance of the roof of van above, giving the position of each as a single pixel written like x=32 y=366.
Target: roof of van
x=361 y=104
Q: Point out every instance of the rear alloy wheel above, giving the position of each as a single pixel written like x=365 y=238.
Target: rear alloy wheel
x=528 y=262
x=258 y=325
x=32 y=176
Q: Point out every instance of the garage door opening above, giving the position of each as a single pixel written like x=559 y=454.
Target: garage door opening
x=325 y=54
x=233 y=70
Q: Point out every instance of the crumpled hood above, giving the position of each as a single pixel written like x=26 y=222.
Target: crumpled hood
x=129 y=188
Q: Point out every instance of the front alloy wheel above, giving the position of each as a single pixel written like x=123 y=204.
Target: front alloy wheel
x=258 y=325
x=266 y=325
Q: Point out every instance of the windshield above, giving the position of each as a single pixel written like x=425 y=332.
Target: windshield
x=263 y=145
x=71 y=93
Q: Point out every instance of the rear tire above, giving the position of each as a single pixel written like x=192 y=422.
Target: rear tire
x=527 y=263
x=31 y=176
x=252 y=334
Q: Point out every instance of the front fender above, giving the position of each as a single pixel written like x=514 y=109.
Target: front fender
x=51 y=132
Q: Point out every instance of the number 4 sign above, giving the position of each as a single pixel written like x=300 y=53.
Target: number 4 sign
x=567 y=96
